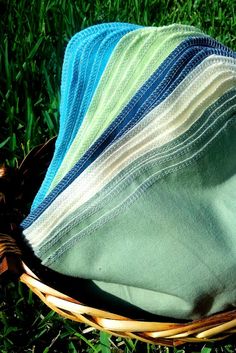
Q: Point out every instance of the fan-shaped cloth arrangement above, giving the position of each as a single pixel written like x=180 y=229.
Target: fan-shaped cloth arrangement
x=140 y=195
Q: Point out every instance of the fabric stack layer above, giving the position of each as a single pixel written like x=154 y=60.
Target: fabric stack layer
x=140 y=195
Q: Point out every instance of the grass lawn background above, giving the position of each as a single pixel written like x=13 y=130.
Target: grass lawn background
x=33 y=38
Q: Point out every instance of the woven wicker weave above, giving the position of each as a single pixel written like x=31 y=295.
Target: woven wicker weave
x=213 y=328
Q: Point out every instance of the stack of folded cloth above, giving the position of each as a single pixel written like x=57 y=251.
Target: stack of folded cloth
x=140 y=195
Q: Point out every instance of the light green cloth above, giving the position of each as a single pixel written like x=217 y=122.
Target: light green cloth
x=181 y=218
x=177 y=113
x=152 y=220
x=118 y=189
x=135 y=58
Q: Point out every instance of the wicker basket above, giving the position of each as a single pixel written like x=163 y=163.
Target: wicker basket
x=213 y=328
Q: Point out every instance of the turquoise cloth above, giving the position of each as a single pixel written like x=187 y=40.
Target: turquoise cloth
x=85 y=59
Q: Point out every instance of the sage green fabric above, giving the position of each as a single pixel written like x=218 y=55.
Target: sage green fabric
x=208 y=81
x=150 y=219
x=187 y=208
x=117 y=191
x=94 y=209
x=137 y=55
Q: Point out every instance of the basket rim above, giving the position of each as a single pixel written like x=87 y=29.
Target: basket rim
x=212 y=328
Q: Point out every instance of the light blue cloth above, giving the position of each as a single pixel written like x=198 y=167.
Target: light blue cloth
x=85 y=59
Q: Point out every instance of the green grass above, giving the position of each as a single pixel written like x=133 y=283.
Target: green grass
x=33 y=38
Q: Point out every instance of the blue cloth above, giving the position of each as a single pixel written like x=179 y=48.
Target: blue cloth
x=85 y=59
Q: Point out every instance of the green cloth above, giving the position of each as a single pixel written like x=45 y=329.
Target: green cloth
x=188 y=208
x=169 y=120
x=137 y=55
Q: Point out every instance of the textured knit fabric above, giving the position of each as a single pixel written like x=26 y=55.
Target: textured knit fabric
x=141 y=198
x=135 y=58
x=157 y=222
x=112 y=193
x=85 y=59
x=128 y=117
x=178 y=111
